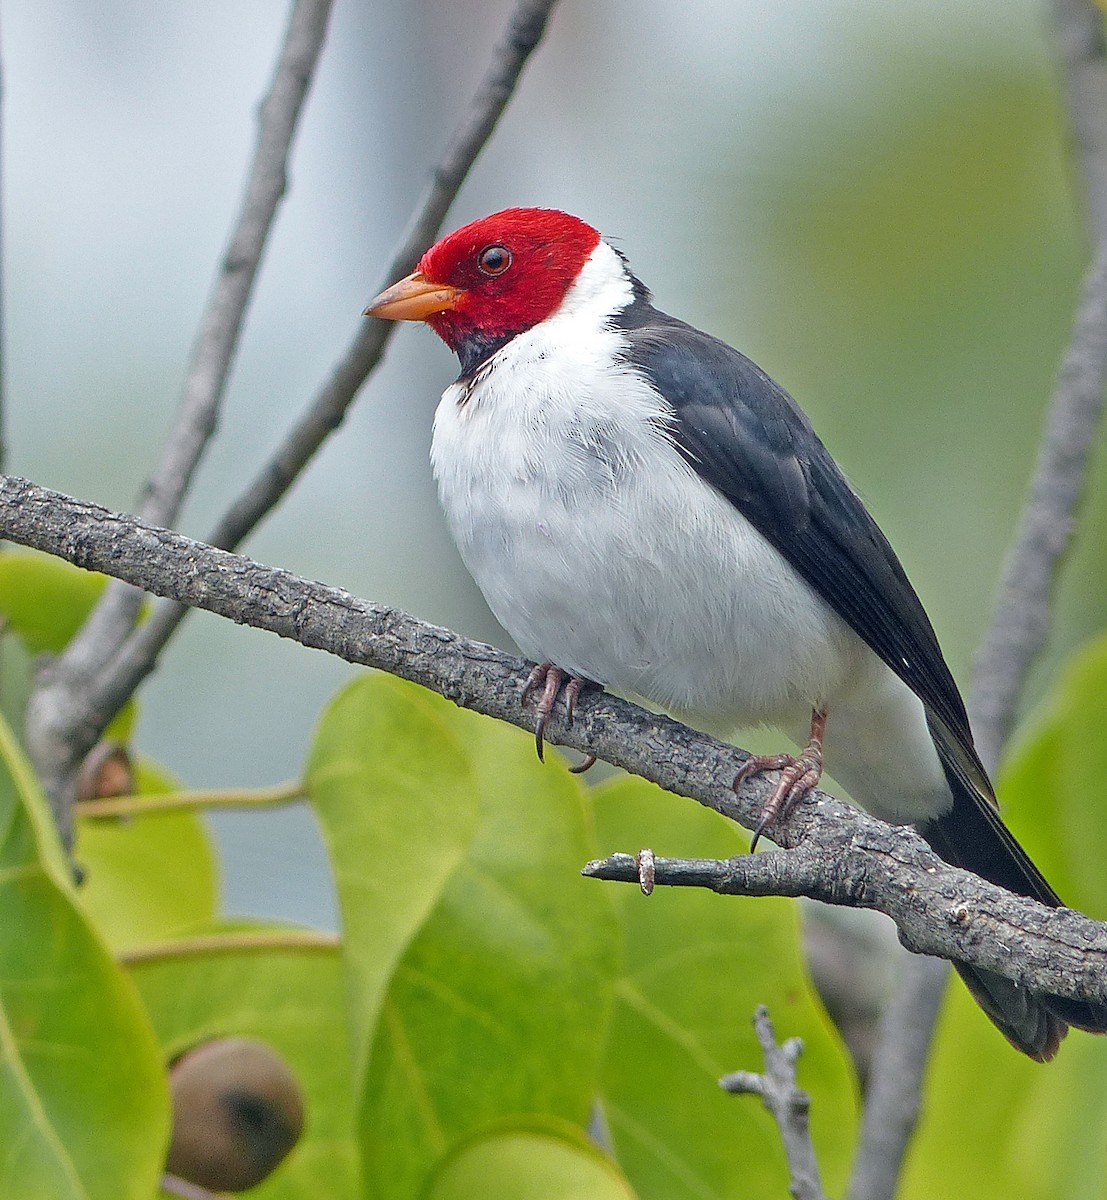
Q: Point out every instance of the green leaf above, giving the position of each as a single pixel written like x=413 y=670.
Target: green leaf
x=397 y=802
x=698 y=965
x=83 y=1104
x=292 y=998
x=150 y=876
x=1037 y=1132
x=498 y=1004
x=45 y=600
x=542 y=1159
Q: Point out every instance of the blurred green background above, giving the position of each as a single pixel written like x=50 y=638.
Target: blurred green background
x=875 y=202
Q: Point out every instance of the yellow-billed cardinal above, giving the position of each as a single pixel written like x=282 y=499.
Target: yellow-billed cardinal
x=644 y=508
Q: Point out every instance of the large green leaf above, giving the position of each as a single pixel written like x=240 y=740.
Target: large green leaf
x=542 y=1159
x=397 y=803
x=150 y=876
x=291 y=998
x=498 y=1004
x=697 y=966
x=83 y=1104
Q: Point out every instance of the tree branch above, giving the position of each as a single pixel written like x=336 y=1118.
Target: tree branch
x=65 y=693
x=325 y=413
x=788 y=1104
x=105 y=663
x=1020 y=620
x=838 y=853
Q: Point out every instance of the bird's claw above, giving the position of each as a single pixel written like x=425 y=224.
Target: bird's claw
x=798 y=776
x=551 y=679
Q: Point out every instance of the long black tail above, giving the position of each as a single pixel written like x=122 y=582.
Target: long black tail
x=972 y=835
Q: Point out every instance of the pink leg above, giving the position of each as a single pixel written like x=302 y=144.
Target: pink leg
x=552 y=679
x=798 y=775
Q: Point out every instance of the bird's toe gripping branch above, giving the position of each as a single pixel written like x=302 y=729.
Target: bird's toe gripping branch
x=798 y=776
x=552 y=679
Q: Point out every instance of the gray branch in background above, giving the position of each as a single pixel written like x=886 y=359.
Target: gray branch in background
x=525 y=28
x=108 y=659
x=787 y=1104
x=65 y=697
x=1021 y=617
x=215 y=345
x=835 y=852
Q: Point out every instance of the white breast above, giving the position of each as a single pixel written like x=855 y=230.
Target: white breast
x=599 y=549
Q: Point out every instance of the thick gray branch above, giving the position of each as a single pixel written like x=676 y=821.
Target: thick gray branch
x=839 y=854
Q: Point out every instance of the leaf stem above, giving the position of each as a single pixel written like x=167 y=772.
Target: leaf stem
x=137 y=805
x=231 y=943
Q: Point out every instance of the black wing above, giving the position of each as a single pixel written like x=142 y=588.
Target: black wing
x=749 y=439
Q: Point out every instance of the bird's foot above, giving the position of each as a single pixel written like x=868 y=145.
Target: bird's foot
x=551 y=679
x=798 y=776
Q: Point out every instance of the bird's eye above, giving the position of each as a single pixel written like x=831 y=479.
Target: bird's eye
x=494 y=260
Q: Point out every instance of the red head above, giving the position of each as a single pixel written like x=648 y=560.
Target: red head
x=481 y=285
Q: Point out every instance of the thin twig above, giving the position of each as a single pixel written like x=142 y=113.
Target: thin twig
x=1020 y=621
x=524 y=31
x=840 y=855
x=894 y=1097
x=787 y=1104
x=64 y=694
x=214 y=349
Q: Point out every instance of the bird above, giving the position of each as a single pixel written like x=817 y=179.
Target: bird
x=646 y=510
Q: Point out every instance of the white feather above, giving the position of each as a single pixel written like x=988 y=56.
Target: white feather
x=599 y=549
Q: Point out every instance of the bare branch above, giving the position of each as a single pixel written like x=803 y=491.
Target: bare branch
x=788 y=1104
x=1020 y=622
x=1082 y=51
x=840 y=855
x=895 y=1084
x=213 y=351
x=843 y=856
x=100 y=670
x=326 y=412
x=60 y=696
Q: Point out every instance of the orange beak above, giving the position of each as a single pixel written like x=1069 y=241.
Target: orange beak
x=414 y=298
